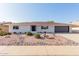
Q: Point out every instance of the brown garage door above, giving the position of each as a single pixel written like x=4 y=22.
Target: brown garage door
x=61 y=29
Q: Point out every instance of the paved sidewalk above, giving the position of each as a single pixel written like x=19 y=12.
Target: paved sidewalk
x=39 y=50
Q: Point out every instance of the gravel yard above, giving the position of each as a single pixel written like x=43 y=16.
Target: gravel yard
x=22 y=40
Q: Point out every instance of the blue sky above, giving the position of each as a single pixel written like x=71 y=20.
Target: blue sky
x=25 y=12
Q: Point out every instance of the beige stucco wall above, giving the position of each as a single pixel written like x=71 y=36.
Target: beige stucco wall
x=24 y=29
x=50 y=29
x=27 y=28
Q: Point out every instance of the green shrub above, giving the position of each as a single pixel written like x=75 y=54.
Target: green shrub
x=37 y=35
x=3 y=33
x=29 y=33
x=8 y=33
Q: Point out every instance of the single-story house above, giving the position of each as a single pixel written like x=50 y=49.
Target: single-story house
x=40 y=27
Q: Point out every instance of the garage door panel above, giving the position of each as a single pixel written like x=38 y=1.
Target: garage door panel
x=61 y=29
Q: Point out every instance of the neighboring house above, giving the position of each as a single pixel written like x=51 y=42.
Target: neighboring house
x=4 y=26
x=75 y=28
x=40 y=27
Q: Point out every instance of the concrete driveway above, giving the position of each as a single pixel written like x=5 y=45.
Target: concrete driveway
x=71 y=36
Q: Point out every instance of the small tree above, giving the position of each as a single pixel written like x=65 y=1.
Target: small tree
x=51 y=21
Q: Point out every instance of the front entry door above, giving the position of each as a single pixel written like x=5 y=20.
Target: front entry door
x=33 y=28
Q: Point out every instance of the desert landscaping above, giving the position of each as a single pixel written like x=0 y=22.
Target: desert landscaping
x=22 y=44
x=31 y=39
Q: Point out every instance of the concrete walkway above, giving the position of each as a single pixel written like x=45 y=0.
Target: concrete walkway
x=39 y=50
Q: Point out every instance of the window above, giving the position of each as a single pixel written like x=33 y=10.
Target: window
x=15 y=27
x=44 y=27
